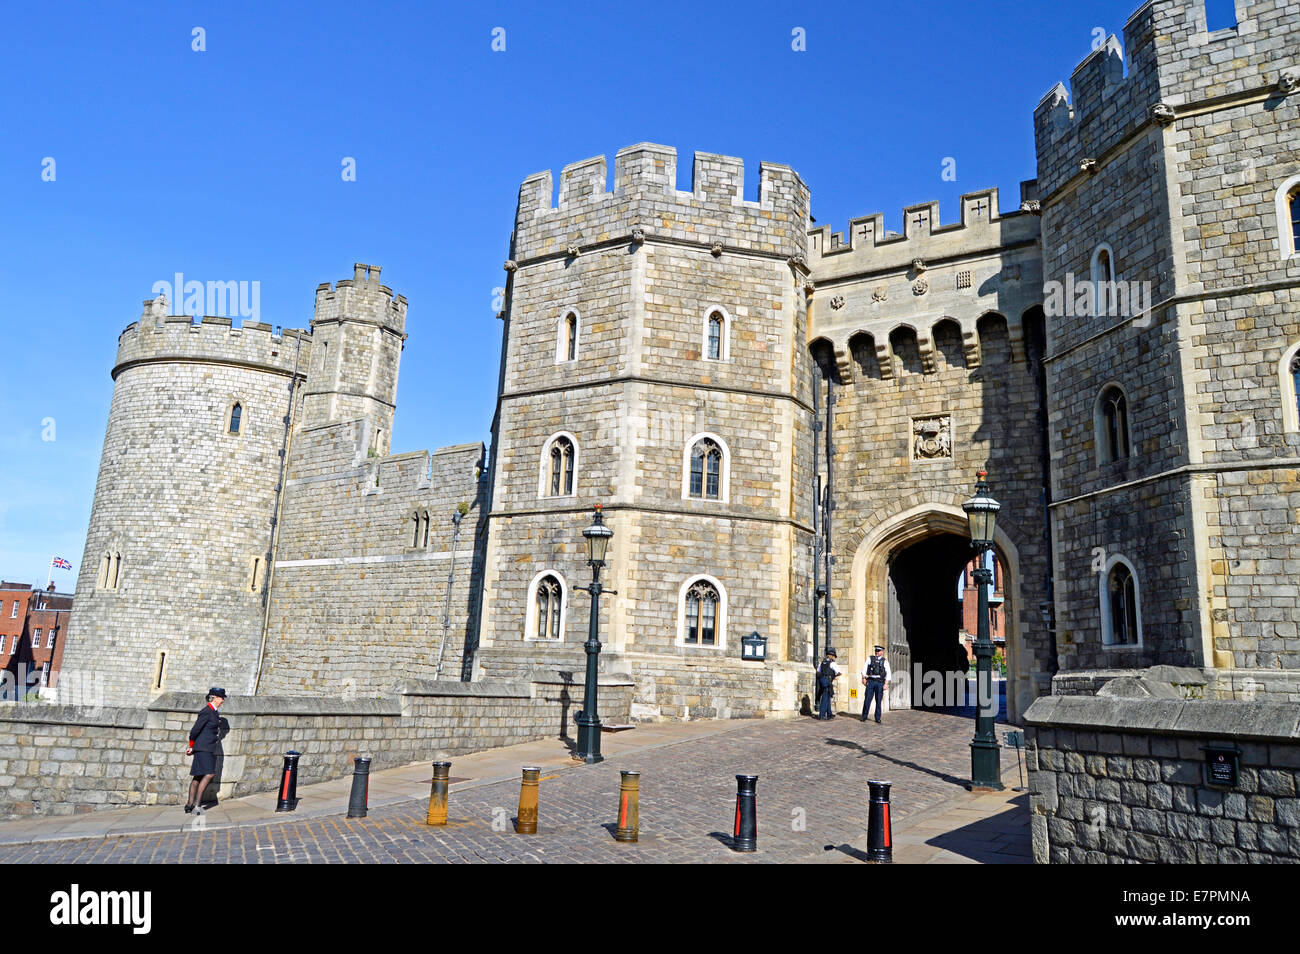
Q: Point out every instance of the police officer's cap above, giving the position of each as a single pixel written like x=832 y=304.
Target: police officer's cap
x=831 y=652
x=880 y=649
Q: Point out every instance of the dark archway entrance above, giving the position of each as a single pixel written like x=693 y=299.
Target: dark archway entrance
x=928 y=631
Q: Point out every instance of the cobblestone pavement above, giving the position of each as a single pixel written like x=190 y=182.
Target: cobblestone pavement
x=811 y=806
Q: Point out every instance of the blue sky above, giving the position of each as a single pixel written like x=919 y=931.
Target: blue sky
x=226 y=165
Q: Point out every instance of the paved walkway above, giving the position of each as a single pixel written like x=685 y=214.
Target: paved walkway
x=812 y=805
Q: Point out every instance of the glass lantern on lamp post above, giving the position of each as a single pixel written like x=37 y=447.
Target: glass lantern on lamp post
x=986 y=768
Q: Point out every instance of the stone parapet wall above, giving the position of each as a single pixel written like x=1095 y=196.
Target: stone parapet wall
x=63 y=760
x=1124 y=780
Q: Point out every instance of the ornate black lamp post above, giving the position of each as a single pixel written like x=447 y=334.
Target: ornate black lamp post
x=985 y=763
x=598 y=536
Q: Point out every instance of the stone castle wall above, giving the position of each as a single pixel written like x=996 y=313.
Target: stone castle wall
x=360 y=589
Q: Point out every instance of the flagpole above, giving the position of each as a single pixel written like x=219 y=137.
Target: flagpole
x=50 y=575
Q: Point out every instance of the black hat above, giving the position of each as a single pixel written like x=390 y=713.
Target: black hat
x=216 y=691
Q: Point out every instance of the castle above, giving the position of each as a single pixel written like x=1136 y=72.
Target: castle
x=1119 y=348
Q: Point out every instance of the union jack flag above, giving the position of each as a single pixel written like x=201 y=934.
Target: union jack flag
x=62 y=564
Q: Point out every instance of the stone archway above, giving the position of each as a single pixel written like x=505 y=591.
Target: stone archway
x=871 y=601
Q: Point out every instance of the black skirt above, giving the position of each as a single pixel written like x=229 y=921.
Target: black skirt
x=205 y=763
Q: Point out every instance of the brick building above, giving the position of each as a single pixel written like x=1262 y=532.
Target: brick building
x=34 y=629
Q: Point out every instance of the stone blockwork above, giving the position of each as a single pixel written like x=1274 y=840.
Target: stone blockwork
x=1124 y=780
x=180 y=530
x=1174 y=169
x=61 y=760
x=938 y=327
x=361 y=578
x=642 y=269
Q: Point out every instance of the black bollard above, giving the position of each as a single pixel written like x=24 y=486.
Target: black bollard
x=746 y=834
x=880 y=846
x=360 y=798
x=289 y=783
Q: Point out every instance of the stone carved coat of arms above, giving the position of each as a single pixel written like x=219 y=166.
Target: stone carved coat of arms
x=932 y=438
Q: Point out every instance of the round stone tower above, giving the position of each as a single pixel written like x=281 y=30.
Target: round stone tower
x=172 y=586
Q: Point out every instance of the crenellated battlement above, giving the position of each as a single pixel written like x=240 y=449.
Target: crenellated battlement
x=1172 y=61
x=868 y=246
x=645 y=197
x=361 y=298
x=158 y=336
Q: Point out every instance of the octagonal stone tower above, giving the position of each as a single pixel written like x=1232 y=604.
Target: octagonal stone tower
x=640 y=324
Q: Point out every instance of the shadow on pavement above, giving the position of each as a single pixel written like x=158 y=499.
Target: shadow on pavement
x=1001 y=839
x=723 y=837
x=849 y=850
x=865 y=752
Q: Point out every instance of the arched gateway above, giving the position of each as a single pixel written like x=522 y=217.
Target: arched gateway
x=904 y=581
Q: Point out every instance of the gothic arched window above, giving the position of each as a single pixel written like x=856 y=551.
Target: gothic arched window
x=1120 y=607
x=701 y=614
x=549 y=599
x=236 y=417
x=715 y=337
x=561 y=468
x=1112 y=421
x=706 y=470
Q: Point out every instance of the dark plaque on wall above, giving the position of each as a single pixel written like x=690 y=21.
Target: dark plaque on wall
x=1220 y=766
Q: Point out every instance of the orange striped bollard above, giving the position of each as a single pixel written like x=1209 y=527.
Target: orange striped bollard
x=629 y=809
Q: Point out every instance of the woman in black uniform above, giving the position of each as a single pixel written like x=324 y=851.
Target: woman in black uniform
x=205 y=744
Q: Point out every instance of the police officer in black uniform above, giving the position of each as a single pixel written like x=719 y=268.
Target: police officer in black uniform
x=204 y=746
x=875 y=676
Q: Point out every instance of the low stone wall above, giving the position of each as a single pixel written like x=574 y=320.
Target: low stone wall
x=62 y=760
x=1246 y=685
x=1124 y=780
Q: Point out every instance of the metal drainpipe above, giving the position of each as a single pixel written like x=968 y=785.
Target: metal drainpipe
x=275 y=529
x=451 y=575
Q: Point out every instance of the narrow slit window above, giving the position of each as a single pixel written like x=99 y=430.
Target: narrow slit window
x=715 y=337
x=1114 y=418
x=1122 y=597
x=1293 y=203
x=1295 y=383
